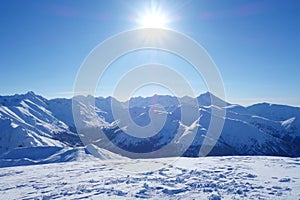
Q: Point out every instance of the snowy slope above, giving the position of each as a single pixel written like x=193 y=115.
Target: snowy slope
x=25 y=121
x=52 y=154
x=187 y=178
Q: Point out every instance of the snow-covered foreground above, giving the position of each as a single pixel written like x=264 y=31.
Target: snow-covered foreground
x=186 y=178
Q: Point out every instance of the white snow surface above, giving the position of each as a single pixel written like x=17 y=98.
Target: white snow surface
x=239 y=177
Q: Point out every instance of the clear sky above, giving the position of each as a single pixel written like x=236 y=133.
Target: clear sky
x=255 y=44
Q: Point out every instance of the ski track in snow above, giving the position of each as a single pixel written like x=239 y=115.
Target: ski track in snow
x=186 y=178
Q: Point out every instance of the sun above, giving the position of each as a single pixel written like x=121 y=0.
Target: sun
x=153 y=20
x=153 y=16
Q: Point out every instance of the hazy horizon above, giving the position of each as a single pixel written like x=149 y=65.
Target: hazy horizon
x=148 y=96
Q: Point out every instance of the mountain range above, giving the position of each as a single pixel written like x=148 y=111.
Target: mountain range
x=30 y=122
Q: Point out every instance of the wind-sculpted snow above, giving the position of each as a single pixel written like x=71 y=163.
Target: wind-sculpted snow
x=30 y=120
x=186 y=178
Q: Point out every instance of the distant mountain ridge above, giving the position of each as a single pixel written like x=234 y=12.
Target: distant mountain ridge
x=30 y=120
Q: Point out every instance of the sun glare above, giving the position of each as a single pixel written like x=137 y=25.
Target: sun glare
x=153 y=20
x=152 y=16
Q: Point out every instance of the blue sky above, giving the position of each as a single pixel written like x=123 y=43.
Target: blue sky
x=255 y=44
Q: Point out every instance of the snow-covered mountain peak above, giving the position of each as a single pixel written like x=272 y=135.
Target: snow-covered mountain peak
x=206 y=99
